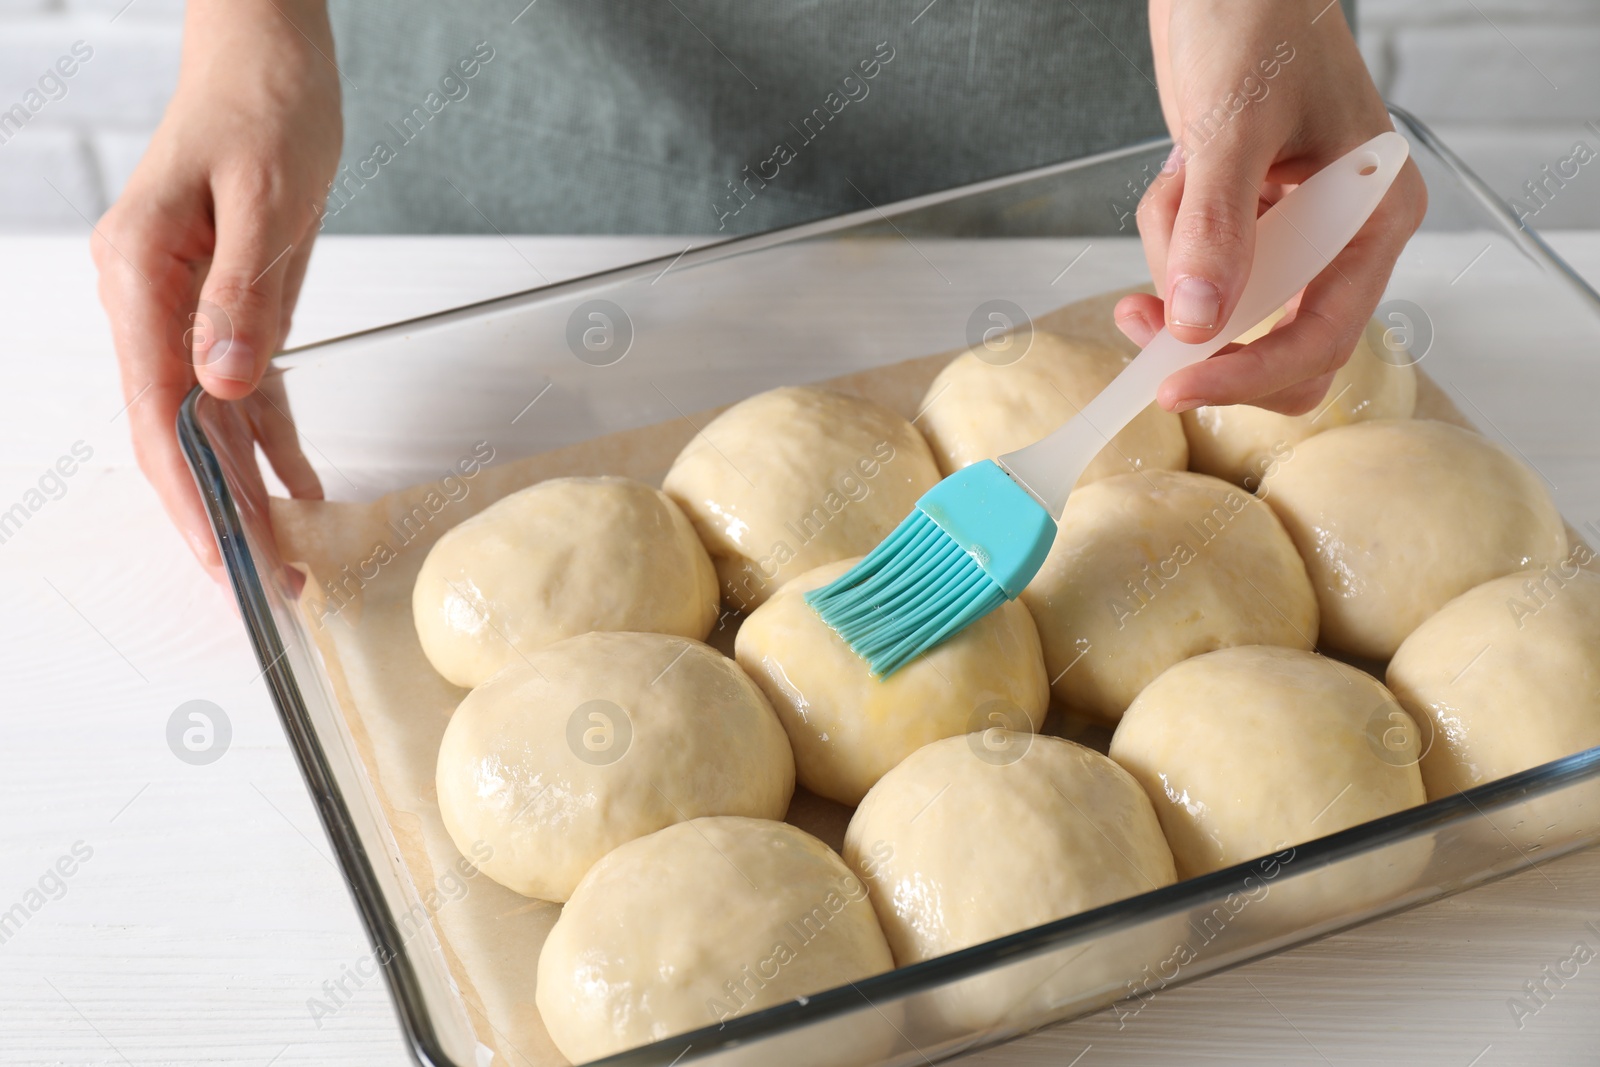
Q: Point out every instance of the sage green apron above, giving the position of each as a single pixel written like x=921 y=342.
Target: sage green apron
x=699 y=116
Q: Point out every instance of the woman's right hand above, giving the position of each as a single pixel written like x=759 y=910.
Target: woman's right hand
x=201 y=258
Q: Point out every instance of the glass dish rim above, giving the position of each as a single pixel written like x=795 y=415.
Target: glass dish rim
x=1532 y=243
x=362 y=880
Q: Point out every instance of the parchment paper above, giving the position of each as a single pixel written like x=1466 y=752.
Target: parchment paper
x=397 y=707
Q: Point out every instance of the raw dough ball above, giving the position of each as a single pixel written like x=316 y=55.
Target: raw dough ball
x=1395 y=517
x=965 y=842
x=698 y=923
x=600 y=739
x=1508 y=675
x=555 y=560
x=1150 y=569
x=1249 y=750
x=977 y=410
x=794 y=478
x=1241 y=443
x=849 y=728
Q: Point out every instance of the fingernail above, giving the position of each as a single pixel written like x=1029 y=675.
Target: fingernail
x=1187 y=405
x=204 y=548
x=1174 y=159
x=1136 y=331
x=231 y=359
x=1195 y=302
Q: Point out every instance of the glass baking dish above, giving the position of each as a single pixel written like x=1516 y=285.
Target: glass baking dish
x=1501 y=323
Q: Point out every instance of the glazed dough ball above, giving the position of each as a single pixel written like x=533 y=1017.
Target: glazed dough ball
x=1246 y=751
x=697 y=923
x=794 y=478
x=978 y=410
x=965 y=842
x=1395 y=517
x=600 y=739
x=1241 y=443
x=1508 y=677
x=849 y=728
x=1150 y=569
x=555 y=560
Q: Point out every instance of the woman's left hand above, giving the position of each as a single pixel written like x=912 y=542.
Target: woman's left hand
x=1259 y=95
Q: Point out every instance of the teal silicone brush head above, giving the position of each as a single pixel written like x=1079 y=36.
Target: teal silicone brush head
x=972 y=543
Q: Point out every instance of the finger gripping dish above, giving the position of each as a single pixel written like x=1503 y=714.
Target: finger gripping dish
x=597 y=740
x=847 y=727
x=1395 y=517
x=794 y=478
x=555 y=560
x=699 y=923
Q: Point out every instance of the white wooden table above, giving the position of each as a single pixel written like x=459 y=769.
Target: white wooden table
x=208 y=911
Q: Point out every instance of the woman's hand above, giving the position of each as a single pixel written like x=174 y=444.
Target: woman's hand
x=201 y=258
x=1258 y=95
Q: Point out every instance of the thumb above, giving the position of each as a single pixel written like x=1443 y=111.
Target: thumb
x=1213 y=238
x=237 y=318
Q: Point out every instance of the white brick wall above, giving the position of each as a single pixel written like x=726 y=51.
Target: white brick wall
x=1509 y=84
x=85 y=142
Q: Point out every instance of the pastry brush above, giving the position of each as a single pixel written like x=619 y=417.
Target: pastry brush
x=977 y=538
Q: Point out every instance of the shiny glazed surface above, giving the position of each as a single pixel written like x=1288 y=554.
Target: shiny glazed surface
x=986 y=403
x=1506 y=676
x=1149 y=569
x=1248 y=750
x=555 y=560
x=1241 y=443
x=794 y=478
x=1395 y=517
x=847 y=727
x=600 y=739
x=972 y=838
x=700 y=922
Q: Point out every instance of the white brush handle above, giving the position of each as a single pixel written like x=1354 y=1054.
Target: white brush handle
x=1295 y=241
